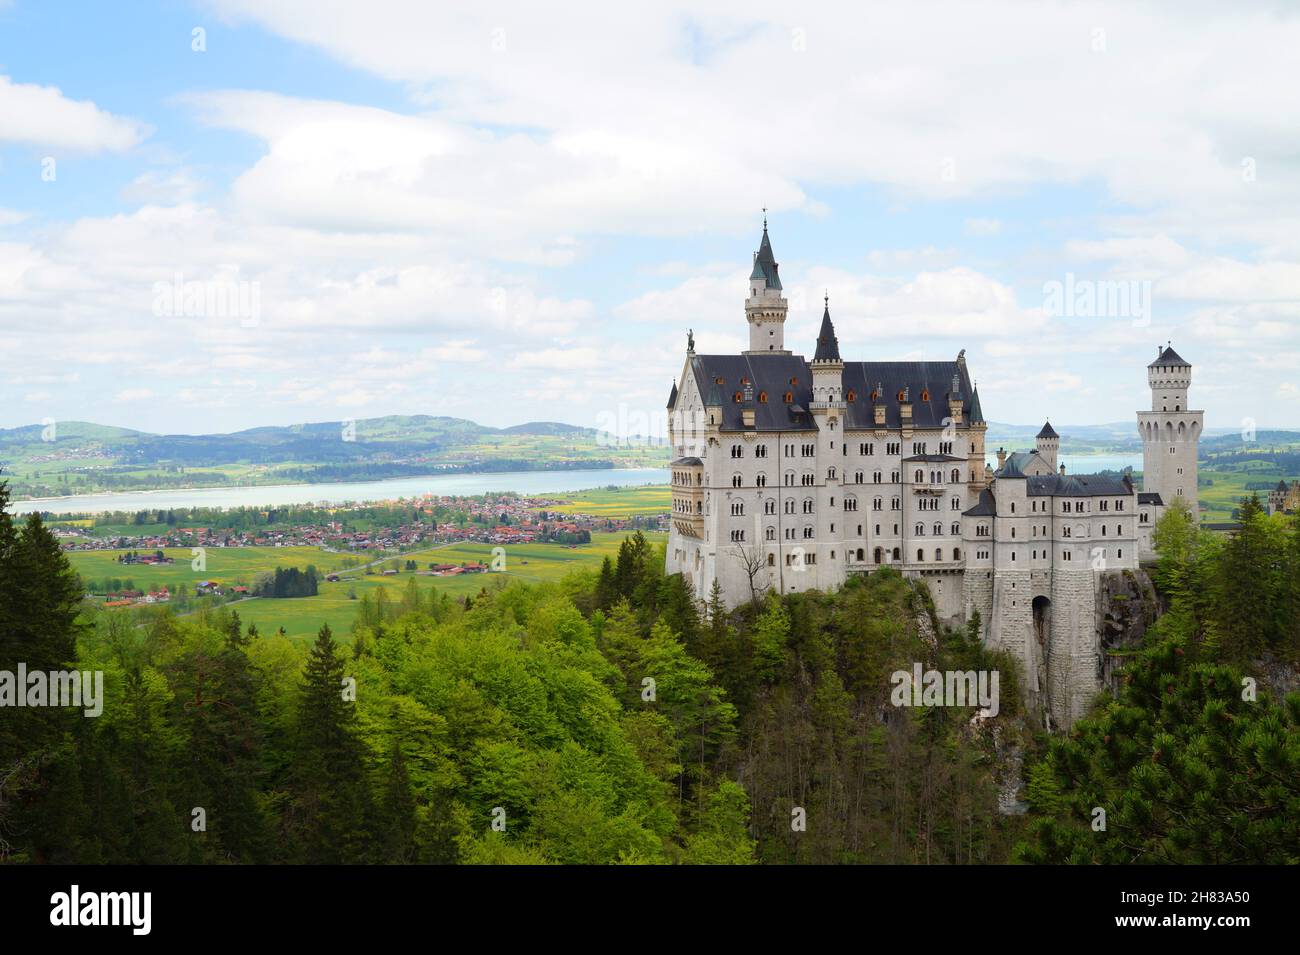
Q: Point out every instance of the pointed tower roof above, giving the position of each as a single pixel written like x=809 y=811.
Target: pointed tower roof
x=1048 y=431
x=765 y=263
x=1168 y=357
x=976 y=412
x=672 y=396
x=828 y=346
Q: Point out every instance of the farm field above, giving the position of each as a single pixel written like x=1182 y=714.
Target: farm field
x=620 y=502
x=1226 y=488
x=303 y=616
x=226 y=565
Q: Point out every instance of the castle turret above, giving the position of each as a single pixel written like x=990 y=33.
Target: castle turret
x=766 y=307
x=827 y=367
x=1048 y=443
x=1170 y=432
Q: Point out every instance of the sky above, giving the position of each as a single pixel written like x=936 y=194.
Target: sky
x=236 y=213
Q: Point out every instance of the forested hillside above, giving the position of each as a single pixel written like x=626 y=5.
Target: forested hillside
x=602 y=720
x=1198 y=759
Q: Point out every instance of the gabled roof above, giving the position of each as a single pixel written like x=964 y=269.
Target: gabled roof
x=672 y=397
x=1048 y=431
x=714 y=398
x=1018 y=463
x=828 y=346
x=926 y=384
x=1150 y=497
x=765 y=266
x=1079 y=485
x=986 y=506
x=1168 y=357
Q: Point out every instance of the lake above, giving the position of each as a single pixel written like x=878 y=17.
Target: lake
x=528 y=483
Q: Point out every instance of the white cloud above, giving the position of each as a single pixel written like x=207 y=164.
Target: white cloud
x=43 y=116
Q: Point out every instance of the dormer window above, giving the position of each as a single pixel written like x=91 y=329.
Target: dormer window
x=789 y=397
x=925 y=394
x=852 y=396
x=738 y=397
x=762 y=397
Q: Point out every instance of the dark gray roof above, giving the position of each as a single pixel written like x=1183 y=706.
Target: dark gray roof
x=1048 y=431
x=672 y=397
x=1078 y=485
x=1015 y=464
x=986 y=506
x=934 y=458
x=1168 y=357
x=828 y=346
x=685 y=462
x=1149 y=497
x=926 y=383
x=976 y=414
x=713 y=397
x=1281 y=486
x=765 y=266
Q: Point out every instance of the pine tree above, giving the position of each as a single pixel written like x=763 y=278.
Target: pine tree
x=395 y=815
x=330 y=809
x=606 y=589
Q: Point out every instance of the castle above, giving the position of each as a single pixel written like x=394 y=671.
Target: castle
x=791 y=475
x=1285 y=498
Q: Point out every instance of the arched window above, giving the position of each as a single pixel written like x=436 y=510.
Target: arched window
x=762 y=399
x=852 y=396
x=789 y=397
x=920 y=554
x=956 y=553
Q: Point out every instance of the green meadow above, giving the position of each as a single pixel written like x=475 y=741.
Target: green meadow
x=226 y=565
x=336 y=603
x=1220 y=492
x=619 y=501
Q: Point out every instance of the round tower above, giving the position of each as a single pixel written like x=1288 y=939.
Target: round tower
x=1170 y=432
x=765 y=308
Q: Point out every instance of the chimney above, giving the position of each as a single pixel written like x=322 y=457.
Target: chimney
x=879 y=409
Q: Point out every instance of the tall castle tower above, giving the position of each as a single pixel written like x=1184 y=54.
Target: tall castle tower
x=766 y=307
x=1048 y=444
x=1170 y=432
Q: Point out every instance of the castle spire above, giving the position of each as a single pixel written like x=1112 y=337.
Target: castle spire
x=766 y=307
x=828 y=346
x=765 y=265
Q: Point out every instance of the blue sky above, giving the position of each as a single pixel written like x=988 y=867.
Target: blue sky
x=507 y=215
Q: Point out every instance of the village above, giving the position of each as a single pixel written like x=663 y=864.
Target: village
x=375 y=538
x=487 y=520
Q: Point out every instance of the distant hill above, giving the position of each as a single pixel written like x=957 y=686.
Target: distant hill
x=83 y=457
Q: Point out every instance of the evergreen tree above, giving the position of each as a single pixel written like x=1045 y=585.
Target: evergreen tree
x=329 y=816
